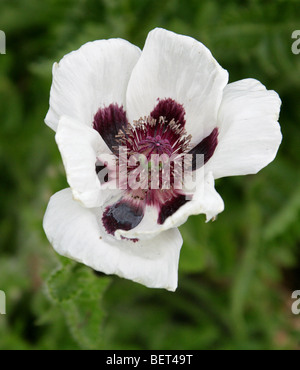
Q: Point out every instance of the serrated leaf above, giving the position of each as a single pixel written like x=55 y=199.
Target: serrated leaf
x=65 y=283
x=85 y=318
x=78 y=292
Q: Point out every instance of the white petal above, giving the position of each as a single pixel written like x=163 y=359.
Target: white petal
x=91 y=77
x=181 y=68
x=205 y=200
x=79 y=146
x=74 y=232
x=249 y=134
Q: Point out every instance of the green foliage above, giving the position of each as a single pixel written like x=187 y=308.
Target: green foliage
x=78 y=292
x=236 y=274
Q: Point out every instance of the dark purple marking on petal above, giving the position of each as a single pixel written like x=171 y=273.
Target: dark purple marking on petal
x=122 y=215
x=169 y=109
x=170 y=207
x=206 y=147
x=108 y=121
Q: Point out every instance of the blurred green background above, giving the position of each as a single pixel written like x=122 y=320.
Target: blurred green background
x=236 y=274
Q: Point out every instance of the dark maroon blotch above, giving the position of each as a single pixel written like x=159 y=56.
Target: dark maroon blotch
x=170 y=207
x=122 y=215
x=108 y=121
x=169 y=109
x=206 y=147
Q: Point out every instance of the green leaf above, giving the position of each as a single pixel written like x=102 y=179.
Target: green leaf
x=79 y=292
x=66 y=283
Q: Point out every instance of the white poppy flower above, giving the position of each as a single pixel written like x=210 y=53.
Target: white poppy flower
x=171 y=98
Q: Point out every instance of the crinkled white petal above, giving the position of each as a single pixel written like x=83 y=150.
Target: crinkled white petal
x=74 y=232
x=205 y=200
x=181 y=68
x=79 y=146
x=249 y=134
x=94 y=76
